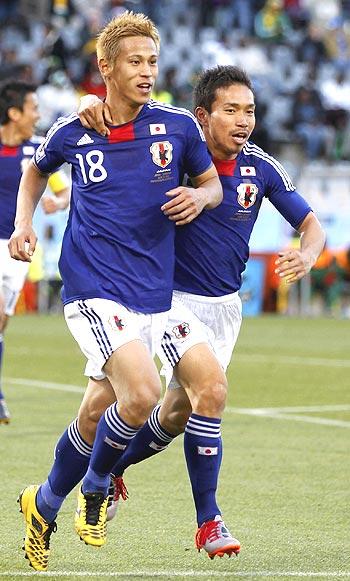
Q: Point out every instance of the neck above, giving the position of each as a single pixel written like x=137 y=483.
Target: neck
x=222 y=156
x=9 y=136
x=122 y=112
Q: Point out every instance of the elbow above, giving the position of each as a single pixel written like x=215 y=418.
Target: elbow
x=217 y=195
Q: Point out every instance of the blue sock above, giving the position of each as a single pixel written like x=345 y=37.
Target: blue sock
x=149 y=440
x=1 y=352
x=203 y=451
x=72 y=455
x=113 y=436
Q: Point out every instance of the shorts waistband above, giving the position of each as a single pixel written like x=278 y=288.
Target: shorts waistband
x=204 y=299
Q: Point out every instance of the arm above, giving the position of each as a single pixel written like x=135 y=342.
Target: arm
x=23 y=240
x=187 y=203
x=295 y=263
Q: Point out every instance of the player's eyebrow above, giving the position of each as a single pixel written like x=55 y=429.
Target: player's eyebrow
x=247 y=106
x=140 y=56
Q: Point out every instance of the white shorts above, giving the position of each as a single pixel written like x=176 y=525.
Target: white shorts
x=197 y=319
x=100 y=326
x=12 y=276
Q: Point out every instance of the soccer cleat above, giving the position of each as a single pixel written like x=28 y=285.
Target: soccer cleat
x=38 y=531
x=216 y=539
x=90 y=518
x=116 y=490
x=4 y=412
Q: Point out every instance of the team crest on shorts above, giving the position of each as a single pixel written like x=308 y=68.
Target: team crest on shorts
x=247 y=195
x=181 y=331
x=116 y=323
x=162 y=153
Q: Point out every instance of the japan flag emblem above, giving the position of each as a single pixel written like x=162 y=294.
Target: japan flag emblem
x=247 y=171
x=157 y=129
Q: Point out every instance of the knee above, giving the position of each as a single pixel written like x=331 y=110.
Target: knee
x=175 y=421
x=137 y=406
x=210 y=398
x=88 y=418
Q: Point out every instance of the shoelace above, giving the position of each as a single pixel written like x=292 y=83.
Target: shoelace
x=93 y=506
x=119 y=488
x=209 y=531
x=51 y=529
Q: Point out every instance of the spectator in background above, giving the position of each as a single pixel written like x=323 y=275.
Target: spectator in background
x=335 y=94
x=309 y=118
x=52 y=107
x=271 y=22
x=326 y=284
x=312 y=48
x=337 y=42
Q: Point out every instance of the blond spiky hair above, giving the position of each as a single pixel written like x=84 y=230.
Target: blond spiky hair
x=128 y=24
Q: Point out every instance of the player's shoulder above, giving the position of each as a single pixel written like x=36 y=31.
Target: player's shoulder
x=64 y=125
x=259 y=155
x=167 y=111
x=267 y=165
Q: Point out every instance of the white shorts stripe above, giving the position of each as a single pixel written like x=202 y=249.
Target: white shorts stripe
x=97 y=329
x=170 y=350
x=92 y=323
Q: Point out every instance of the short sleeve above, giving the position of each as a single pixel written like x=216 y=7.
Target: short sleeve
x=281 y=192
x=49 y=156
x=197 y=159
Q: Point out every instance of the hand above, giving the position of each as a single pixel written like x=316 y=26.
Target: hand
x=94 y=114
x=51 y=204
x=186 y=204
x=22 y=243
x=292 y=265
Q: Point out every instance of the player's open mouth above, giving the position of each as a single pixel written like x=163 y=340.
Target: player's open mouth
x=240 y=137
x=145 y=87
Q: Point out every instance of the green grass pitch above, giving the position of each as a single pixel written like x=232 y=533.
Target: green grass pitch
x=285 y=479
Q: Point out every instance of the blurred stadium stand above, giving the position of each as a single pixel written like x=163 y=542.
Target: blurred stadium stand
x=296 y=51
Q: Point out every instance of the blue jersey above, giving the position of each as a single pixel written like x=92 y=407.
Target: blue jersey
x=118 y=244
x=12 y=164
x=212 y=251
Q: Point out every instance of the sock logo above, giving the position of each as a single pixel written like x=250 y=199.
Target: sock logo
x=157 y=446
x=206 y=451
x=113 y=444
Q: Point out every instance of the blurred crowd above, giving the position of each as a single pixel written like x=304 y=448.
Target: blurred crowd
x=296 y=51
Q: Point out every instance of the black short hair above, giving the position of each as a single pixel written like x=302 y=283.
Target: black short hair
x=209 y=81
x=13 y=94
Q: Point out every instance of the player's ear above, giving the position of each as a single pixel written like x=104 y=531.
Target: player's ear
x=202 y=116
x=14 y=113
x=104 y=67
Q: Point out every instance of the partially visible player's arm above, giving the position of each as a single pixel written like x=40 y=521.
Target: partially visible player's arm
x=23 y=240
x=296 y=263
x=60 y=187
x=187 y=203
x=94 y=114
